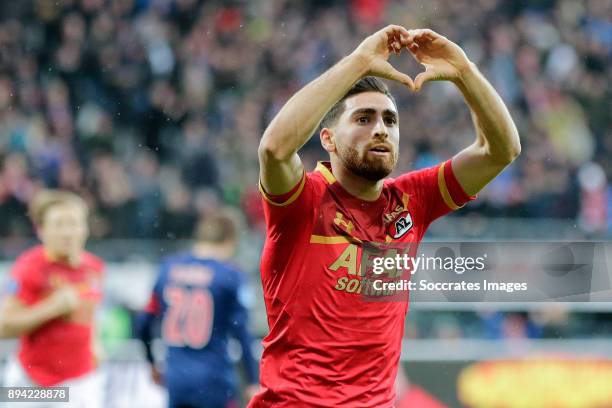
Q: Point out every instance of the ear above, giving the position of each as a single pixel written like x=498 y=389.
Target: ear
x=328 y=141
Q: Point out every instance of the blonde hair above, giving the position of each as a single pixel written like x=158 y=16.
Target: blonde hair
x=46 y=199
x=218 y=228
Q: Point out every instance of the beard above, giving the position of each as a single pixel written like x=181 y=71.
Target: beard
x=372 y=169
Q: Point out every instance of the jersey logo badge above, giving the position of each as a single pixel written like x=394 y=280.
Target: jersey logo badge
x=339 y=221
x=401 y=225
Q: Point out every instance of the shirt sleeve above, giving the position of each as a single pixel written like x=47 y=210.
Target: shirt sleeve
x=437 y=190
x=287 y=213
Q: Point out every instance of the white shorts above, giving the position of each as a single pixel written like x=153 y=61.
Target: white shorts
x=86 y=391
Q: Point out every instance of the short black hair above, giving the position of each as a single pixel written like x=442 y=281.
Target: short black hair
x=366 y=84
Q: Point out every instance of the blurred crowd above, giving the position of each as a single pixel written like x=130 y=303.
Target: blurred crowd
x=153 y=109
x=550 y=321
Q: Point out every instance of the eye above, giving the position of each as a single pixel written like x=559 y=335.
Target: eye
x=362 y=119
x=390 y=120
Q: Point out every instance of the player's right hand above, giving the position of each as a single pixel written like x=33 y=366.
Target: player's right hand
x=66 y=299
x=375 y=51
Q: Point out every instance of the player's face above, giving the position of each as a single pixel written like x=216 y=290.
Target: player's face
x=64 y=230
x=367 y=135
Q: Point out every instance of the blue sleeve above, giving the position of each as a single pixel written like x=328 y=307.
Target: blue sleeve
x=144 y=323
x=239 y=327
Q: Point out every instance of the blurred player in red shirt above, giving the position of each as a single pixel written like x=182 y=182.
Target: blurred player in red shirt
x=329 y=343
x=52 y=295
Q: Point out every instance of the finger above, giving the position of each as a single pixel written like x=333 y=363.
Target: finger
x=420 y=32
x=426 y=35
x=400 y=77
x=393 y=48
x=394 y=36
x=431 y=34
x=394 y=31
x=395 y=45
x=423 y=77
x=410 y=36
x=415 y=52
x=398 y=47
x=417 y=37
x=423 y=42
x=422 y=36
x=404 y=40
x=415 y=32
x=422 y=39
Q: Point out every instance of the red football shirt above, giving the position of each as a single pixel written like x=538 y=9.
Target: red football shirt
x=61 y=348
x=328 y=345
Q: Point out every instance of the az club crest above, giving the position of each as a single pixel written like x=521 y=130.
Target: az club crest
x=401 y=225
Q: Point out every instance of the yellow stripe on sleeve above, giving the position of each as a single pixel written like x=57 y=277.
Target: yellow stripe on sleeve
x=444 y=189
x=291 y=199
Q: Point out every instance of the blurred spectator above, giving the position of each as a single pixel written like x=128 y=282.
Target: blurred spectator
x=594 y=194
x=106 y=97
x=177 y=218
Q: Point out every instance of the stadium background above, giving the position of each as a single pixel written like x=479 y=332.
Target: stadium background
x=152 y=110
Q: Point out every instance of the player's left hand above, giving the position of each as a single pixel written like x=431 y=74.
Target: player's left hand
x=443 y=59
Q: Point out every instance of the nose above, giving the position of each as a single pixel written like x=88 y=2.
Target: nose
x=380 y=129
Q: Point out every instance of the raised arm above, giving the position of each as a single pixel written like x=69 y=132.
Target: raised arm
x=280 y=165
x=497 y=142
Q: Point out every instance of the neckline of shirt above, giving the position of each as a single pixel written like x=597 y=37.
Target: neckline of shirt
x=324 y=168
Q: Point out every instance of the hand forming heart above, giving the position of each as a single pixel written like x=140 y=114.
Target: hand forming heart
x=443 y=59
